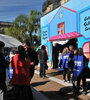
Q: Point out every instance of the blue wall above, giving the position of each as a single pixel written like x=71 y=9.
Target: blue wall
x=49 y=25
x=69 y=18
x=77 y=5
x=73 y=22
x=84 y=27
x=82 y=16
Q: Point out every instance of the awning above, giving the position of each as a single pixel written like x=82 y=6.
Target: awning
x=62 y=42
x=66 y=36
x=9 y=41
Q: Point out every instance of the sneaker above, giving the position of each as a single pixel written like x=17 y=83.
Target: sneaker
x=84 y=92
x=64 y=80
x=69 y=81
x=44 y=77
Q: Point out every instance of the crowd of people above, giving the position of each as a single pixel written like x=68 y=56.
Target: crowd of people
x=21 y=64
x=75 y=66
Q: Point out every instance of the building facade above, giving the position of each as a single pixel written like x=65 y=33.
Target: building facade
x=69 y=21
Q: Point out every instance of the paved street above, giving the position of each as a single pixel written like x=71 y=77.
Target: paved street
x=53 y=87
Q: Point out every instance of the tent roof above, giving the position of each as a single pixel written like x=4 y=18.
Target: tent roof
x=70 y=35
x=9 y=41
x=77 y=5
x=45 y=20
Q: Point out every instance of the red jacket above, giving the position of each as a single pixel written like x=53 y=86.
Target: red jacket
x=21 y=72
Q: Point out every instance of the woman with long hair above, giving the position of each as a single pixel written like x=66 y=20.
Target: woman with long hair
x=65 y=56
x=21 y=77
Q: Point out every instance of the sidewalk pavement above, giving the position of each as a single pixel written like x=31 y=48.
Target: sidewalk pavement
x=53 y=87
x=38 y=96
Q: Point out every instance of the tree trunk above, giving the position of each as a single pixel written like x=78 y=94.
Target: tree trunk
x=30 y=35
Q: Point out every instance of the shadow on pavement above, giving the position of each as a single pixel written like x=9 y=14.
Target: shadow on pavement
x=38 y=83
x=55 y=73
x=68 y=93
x=65 y=93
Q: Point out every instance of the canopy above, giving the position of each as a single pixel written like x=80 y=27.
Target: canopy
x=70 y=35
x=77 y=5
x=9 y=41
x=62 y=42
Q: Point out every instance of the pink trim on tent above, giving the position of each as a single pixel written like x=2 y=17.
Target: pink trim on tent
x=55 y=15
x=69 y=9
x=66 y=36
x=59 y=9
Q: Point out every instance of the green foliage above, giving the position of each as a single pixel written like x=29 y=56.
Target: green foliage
x=24 y=24
x=21 y=21
x=34 y=20
x=12 y=31
x=33 y=23
x=2 y=32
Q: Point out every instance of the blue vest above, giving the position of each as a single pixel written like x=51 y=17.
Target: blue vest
x=10 y=72
x=65 y=60
x=78 y=65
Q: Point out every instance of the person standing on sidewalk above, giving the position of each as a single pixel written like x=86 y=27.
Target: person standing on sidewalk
x=43 y=61
x=21 y=76
x=3 y=65
x=59 y=59
x=65 y=56
x=71 y=61
x=74 y=78
x=33 y=55
x=80 y=63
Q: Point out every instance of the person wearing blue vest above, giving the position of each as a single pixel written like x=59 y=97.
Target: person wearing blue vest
x=65 y=55
x=74 y=70
x=70 y=60
x=79 y=69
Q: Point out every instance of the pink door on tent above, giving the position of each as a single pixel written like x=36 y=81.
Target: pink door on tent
x=61 y=28
x=86 y=49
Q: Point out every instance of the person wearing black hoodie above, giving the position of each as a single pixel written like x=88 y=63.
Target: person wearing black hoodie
x=43 y=60
x=33 y=55
x=3 y=65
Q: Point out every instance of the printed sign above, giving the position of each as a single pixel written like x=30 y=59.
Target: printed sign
x=44 y=35
x=85 y=23
x=77 y=63
x=66 y=57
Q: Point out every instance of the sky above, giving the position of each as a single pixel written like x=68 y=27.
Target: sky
x=10 y=9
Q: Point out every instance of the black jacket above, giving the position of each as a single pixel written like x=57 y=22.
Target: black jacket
x=43 y=55
x=3 y=65
x=33 y=55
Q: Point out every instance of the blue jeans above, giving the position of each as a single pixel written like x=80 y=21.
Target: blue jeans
x=42 y=68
